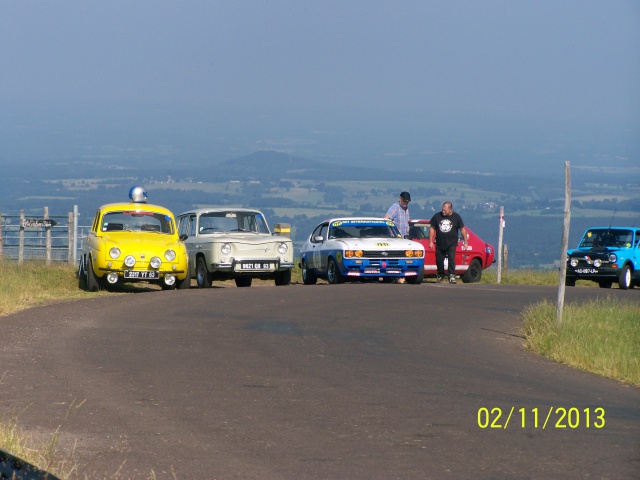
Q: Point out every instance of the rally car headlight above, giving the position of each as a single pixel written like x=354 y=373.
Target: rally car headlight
x=225 y=249
x=170 y=255
x=155 y=262
x=129 y=261
x=283 y=248
x=612 y=257
x=597 y=263
x=574 y=262
x=114 y=252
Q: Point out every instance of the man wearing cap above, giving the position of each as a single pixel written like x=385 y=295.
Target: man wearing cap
x=398 y=213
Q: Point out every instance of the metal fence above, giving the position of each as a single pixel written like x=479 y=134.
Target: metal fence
x=48 y=237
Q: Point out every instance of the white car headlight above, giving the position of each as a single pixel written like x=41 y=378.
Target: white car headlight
x=612 y=257
x=155 y=262
x=574 y=262
x=225 y=249
x=283 y=248
x=597 y=263
x=170 y=255
x=114 y=252
x=129 y=261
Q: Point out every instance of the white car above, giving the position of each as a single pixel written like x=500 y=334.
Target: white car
x=360 y=248
x=234 y=243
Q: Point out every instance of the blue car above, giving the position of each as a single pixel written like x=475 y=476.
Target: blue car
x=606 y=255
x=360 y=248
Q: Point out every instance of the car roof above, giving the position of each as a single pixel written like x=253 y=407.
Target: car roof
x=350 y=219
x=613 y=227
x=148 y=207
x=201 y=210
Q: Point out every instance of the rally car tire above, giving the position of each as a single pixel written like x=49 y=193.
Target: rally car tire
x=93 y=283
x=308 y=277
x=417 y=280
x=82 y=276
x=473 y=273
x=605 y=283
x=334 y=276
x=570 y=281
x=624 y=280
x=243 y=282
x=283 y=278
x=203 y=277
x=186 y=282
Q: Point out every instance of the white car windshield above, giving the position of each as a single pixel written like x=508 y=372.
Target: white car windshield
x=136 y=221
x=363 y=229
x=232 y=221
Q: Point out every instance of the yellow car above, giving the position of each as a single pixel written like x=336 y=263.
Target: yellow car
x=133 y=242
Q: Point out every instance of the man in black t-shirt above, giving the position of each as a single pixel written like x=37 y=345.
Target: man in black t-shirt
x=444 y=228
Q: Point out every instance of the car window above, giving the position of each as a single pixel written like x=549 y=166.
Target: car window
x=230 y=221
x=136 y=221
x=363 y=229
x=609 y=237
x=318 y=231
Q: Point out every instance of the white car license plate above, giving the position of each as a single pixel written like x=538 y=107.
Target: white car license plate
x=255 y=266
x=141 y=274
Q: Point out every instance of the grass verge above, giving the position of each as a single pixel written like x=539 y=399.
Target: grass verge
x=600 y=336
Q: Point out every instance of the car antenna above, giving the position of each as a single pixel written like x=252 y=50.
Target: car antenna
x=611 y=221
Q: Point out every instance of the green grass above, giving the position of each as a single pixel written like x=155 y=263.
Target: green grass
x=600 y=336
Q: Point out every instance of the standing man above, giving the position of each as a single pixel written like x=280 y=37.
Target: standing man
x=444 y=228
x=398 y=213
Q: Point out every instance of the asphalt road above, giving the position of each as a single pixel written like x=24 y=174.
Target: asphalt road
x=354 y=381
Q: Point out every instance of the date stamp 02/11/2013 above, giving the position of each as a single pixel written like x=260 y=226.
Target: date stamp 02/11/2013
x=551 y=417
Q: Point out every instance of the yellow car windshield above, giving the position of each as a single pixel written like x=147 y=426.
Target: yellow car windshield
x=136 y=221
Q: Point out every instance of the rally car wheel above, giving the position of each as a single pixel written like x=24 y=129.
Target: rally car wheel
x=308 y=277
x=624 y=280
x=417 y=280
x=93 y=283
x=82 y=276
x=605 y=283
x=243 y=281
x=203 y=277
x=473 y=273
x=283 y=278
x=570 y=281
x=186 y=283
x=333 y=273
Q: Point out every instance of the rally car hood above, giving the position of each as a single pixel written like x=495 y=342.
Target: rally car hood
x=140 y=238
x=379 y=244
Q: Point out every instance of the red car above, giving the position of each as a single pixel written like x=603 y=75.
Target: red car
x=469 y=263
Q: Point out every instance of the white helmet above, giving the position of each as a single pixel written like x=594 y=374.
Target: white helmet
x=137 y=194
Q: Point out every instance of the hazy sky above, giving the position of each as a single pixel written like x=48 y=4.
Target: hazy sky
x=298 y=68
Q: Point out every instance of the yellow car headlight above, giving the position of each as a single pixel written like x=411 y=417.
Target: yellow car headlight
x=170 y=255
x=114 y=252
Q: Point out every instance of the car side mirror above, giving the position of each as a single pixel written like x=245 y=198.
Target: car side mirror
x=183 y=237
x=318 y=239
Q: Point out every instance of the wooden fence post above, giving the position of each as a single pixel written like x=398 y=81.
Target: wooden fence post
x=565 y=243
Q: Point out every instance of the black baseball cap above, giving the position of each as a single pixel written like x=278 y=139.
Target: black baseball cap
x=405 y=196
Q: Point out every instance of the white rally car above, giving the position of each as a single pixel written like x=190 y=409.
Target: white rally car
x=356 y=248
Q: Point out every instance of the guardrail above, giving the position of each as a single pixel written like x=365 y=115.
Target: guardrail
x=46 y=237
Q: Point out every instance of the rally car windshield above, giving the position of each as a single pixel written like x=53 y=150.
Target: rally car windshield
x=361 y=229
x=607 y=237
x=133 y=221
x=231 y=221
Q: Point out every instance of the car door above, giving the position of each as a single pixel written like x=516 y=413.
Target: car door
x=187 y=226
x=317 y=257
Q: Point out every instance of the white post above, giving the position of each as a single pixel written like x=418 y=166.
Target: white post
x=75 y=234
x=565 y=242
x=499 y=279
